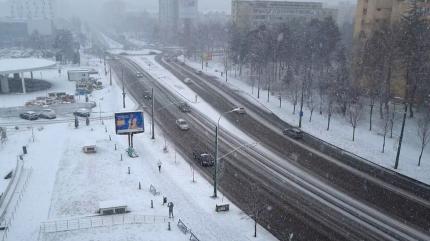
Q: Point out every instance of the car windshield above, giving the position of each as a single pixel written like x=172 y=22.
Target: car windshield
x=175 y=120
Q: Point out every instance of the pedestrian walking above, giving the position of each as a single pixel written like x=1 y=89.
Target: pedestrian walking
x=170 y=205
x=159 y=166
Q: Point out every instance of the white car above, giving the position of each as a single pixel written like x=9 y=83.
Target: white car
x=240 y=110
x=187 y=81
x=182 y=124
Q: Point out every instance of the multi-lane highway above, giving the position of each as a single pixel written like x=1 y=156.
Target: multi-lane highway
x=408 y=199
x=303 y=201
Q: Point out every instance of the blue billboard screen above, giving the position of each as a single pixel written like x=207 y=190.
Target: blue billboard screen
x=129 y=122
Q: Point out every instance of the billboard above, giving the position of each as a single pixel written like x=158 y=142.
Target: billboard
x=188 y=9
x=129 y=122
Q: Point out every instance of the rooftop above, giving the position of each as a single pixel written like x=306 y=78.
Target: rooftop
x=10 y=66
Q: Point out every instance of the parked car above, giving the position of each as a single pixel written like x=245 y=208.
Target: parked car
x=295 y=133
x=187 y=81
x=205 y=159
x=182 y=124
x=184 y=107
x=48 y=114
x=29 y=115
x=82 y=112
x=139 y=75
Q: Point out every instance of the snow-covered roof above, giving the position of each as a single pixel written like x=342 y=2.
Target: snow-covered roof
x=112 y=204
x=10 y=66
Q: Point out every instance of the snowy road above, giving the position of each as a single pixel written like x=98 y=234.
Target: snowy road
x=362 y=179
x=269 y=178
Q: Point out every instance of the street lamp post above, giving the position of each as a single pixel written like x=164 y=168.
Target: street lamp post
x=216 y=150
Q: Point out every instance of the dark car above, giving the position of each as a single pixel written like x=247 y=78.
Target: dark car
x=184 y=107
x=29 y=115
x=82 y=113
x=293 y=133
x=205 y=159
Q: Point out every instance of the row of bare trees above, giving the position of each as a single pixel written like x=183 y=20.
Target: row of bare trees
x=308 y=63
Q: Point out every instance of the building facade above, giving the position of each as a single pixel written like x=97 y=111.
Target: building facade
x=32 y=9
x=372 y=14
x=251 y=14
x=38 y=14
x=176 y=16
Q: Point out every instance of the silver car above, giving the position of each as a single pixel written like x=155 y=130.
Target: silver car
x=182 y=124
x=47 y=114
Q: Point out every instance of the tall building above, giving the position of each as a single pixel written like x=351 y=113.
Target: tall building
x=251 y=14
x=38 y=14
x=175 y=16
x=371 y=14
x=32 y=9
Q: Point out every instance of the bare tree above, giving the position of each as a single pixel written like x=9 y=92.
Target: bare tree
x=294 y=95
x=256 y=205
x=354 y=113
x=386 y=122
x=311 y=103
x=423 y=127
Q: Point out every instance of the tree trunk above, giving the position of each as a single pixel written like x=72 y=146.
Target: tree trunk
x=294 y=109
x=383 y=144
x=328 y=122
x=421 y=155
x=371 y=115
x=411 y=110
x=310 y=117
x=353 y=133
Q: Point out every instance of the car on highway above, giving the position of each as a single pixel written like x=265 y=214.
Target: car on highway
x=205 y=159
x=187 y=81
x=47 y=114
x=83 y=112
x=147 y=95
x=184 y=107
x=139 y=75
x=240 y=110
x=295 y=133
x=29 y=115
x=182 y=124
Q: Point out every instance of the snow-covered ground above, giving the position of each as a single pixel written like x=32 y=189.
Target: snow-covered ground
x=67 y=184
x=368 y=144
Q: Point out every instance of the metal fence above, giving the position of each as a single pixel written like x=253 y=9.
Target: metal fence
x=8 y=223
x=99 y=221
x=185 y=230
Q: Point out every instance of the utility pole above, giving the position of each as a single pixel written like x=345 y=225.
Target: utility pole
x=110 y=75
x=123 y=89
x=153 y=134
x=216 y=162
x=396 y=165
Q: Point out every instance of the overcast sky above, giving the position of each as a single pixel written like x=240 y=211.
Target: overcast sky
x=151 y=5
